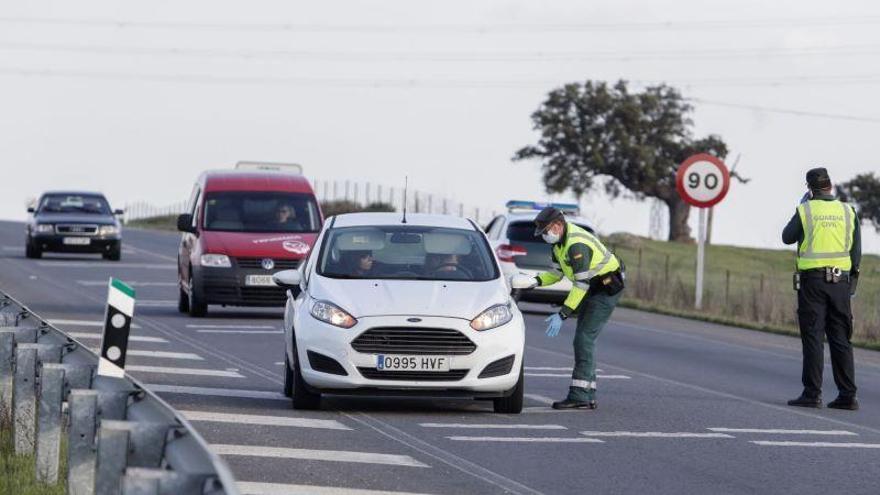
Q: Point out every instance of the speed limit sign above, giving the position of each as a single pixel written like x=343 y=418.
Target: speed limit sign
x=702 y=180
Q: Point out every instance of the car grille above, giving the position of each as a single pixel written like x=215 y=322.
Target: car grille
x=76 y=229
x=257 y=263
x=413 y=340
x=498 y=368
x=264 y=295
x=422 y=376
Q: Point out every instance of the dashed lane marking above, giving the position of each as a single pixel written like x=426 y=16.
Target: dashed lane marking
x=526 y=439
x=494 y=426
x=133 y=338
x=233 y=327
x=554 y=368
x=107 y=264
x=159 y=354
x=83 y=323
x=568 y=375
x=101 y=283
x=839 y=445
x=252 y=488
x=217 y=392
x=152 y=303
x=539 y=398
x=183 y=371
x=654 y=434
x=317 y=455
x=246 y=332
x=777 y=431
x=249 y=419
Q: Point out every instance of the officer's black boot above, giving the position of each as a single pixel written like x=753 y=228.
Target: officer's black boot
x=804 y=401
x=575 y=404
x=848 y=403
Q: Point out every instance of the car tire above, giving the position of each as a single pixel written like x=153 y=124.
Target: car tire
x=32 y=252
x=115 y=254
x=182 y=301
x=513 y=403
x=198 y=308
x=303 y=398
x=288 y=378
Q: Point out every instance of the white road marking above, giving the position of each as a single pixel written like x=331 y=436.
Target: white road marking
x=548 y=410
x=98 y=264
x=775 y=431
x=317 y=455
x=554 y=368
x=234 y=327
x=493 y=426
x=568 y=375
x=157 y=255
x=654 y=434
x=84 y=323
x=101 y=283
x=279 y=363
x=252 y=488
x=183 y=371
x=527 y=439
x=154 y=303
x=539 y=398
x=818 y=444
x=164 y=355
x=217 y=392
x=247 y=332
x=13 y=248
x=249 y=419
x=132 y=338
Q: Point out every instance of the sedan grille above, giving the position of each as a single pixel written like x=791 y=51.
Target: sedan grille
x=257 y=263
x=422 y=376
x=76 y=229
x=413 y=340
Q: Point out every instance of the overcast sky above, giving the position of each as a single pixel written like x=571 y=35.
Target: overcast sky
x=441 y=91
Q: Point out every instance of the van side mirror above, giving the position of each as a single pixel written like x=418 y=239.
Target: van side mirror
x=31 y=209
x=184 y=223
x=119 y=212
x=287 y=279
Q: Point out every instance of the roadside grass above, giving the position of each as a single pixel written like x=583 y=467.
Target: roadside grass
x=17 y=473
x=745 y=287
x=165 y=222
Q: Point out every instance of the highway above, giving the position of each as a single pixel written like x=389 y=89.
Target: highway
x=684 y=407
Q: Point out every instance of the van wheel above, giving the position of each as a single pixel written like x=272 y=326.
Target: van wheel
x=31 y=251
x=513 y=403
x=198 y=308
x=288 y=377
x=182 y=301
x=303 y=398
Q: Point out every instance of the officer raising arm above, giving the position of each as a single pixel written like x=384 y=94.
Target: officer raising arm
x=597 y=278
x=829 y=250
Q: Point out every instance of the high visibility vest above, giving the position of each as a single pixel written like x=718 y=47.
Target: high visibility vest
x=828 y=234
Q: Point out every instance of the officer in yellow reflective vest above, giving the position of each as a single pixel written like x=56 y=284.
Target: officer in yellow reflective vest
x=597 y=278
x=829 y=251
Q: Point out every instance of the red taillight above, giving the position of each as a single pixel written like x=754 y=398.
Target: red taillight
x=506 y=252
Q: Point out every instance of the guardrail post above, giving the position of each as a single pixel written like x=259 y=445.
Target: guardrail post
x=7 y=354
x=49 y=422
x=48 y=353
x=141 y=482
x=112 y=458
x=77 y=376
x=112 y=404
x=146 y=441
x=82 y=411
x=24 y=398
x=25 y=335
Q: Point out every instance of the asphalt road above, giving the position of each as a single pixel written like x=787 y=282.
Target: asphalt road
x=685 y=407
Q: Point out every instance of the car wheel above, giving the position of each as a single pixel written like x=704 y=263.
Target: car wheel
x=115 y=254
x=31 y=251
x=513 y=403
x=288 y=377
x=198 y=308
x=182 y=301
x=303 y=398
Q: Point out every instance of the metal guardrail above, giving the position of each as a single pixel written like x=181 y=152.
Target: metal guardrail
x=122 y=438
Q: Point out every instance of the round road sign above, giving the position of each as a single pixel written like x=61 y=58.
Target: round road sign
x=702 y=180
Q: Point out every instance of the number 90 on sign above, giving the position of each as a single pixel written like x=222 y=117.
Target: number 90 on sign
x=703 y=180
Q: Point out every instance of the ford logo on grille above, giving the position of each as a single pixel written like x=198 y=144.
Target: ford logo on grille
x=268 y=264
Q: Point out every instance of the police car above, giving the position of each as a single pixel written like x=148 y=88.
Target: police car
x=512 y=236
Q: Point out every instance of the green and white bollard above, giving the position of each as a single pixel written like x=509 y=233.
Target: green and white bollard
x=117 y=325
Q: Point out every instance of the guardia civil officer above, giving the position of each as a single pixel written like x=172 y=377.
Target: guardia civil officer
x=829 y=251
x=597 y=278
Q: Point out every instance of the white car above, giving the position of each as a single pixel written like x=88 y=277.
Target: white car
x=512 y=236
x=387 y=307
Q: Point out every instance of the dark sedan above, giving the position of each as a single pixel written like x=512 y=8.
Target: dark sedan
x=74 y=222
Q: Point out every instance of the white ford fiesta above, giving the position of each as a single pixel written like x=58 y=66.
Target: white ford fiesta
x=384 y=307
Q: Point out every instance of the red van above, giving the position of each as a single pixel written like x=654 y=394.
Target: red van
x=241 y=227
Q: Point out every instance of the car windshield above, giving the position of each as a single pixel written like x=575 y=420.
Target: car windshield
x=406 y=253
x=74 y=203
x=257 y=211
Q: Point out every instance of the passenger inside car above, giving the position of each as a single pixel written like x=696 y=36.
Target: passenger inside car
x=285 y=218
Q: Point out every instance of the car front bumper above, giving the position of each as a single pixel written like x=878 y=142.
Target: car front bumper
x=55 y=243
x=228 y=286
x=361 y=375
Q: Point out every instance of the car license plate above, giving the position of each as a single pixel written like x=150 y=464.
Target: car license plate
x=259 y=280
x=412 y=363
x=76 y=241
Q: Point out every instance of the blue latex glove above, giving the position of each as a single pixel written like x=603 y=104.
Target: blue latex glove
x=555 y=325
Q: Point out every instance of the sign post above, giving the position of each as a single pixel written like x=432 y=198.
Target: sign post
x=117 y=325
x=702 y=181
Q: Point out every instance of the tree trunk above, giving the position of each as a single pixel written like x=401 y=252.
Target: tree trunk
x=679 y=230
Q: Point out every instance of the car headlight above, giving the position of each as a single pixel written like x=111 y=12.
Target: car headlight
x=216 y=260
x=45 y=228
x=492 y=317
x=108 y=230
x=332 y=314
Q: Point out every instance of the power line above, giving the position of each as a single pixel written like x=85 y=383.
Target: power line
x=786 y=111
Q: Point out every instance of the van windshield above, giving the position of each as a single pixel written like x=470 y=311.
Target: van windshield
x=407 y=253
x=258 y=211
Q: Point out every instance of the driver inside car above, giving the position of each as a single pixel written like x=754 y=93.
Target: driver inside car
x=360 y=263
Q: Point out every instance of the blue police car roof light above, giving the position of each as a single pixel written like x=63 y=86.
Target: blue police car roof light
x=571 y=208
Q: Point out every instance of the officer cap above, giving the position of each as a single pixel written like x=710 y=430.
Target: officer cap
x=545 y=217
x=817 y=178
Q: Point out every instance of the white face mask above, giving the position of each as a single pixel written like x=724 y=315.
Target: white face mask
x=550 y=237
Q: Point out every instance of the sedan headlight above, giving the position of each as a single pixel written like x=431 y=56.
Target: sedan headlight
x=492 y=317
x=45 y=228
x=216 y=260
x=332 y=314
x=108 y=230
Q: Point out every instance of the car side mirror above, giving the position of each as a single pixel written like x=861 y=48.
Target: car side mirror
x=31 y=209
x=184 y=223
x=287 y=279
x=119 y=212
x=520 y=281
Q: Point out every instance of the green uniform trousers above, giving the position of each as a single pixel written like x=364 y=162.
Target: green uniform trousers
x=593 y=313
